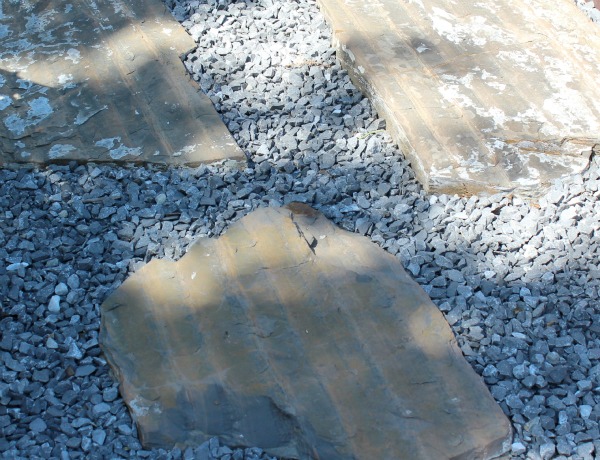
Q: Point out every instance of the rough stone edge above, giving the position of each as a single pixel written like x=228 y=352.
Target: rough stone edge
x=237 y=155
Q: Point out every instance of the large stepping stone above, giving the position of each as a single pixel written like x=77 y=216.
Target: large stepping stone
x=293 y=335
x=102 y=81
x=487 y=96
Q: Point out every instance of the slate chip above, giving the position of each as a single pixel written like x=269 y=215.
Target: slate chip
x=38 y=425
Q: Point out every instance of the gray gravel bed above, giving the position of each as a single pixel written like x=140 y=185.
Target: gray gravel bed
x=518 y=281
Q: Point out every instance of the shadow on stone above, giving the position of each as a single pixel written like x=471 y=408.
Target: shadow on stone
x=102 y=82
x=306 y=340
x=481 y=98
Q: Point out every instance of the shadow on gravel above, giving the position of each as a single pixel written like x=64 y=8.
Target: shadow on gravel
x=88 y=227
x=77 y=232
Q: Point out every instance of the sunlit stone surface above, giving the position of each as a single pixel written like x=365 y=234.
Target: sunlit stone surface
x=290 y=334
x=481 y=96
x=102 y=81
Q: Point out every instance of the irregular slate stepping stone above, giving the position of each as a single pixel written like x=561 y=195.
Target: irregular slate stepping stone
x=293 y=335
x=102 y=81
x=481 y=97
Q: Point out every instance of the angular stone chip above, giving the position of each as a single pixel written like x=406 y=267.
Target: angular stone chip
x=490 y=96
x=102 y=81
x=290 y=334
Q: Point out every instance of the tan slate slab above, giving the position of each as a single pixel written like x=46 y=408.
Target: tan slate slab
x=293 y=335
x=481 y=96
x=102 y=81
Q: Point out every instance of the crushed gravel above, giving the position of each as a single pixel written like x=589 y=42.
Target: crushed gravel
x=517 y=280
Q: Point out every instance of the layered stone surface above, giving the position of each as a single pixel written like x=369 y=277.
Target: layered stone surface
x=102 y=81
x=306 y=340
x=481 y=96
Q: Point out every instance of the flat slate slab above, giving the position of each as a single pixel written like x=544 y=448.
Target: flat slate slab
x=293 y=335
x=487 y=96
x=102 y=81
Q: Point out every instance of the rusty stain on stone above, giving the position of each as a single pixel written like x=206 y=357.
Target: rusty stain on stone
x=102 y=81
x=293 y=335
x=481 y=96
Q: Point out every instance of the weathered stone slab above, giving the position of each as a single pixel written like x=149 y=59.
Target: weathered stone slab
x=482 y=96
x=306 y=340
x=102 y=81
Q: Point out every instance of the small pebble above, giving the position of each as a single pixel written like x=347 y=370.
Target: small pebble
x=38 y=425
x=54 y=304
x=61 y=289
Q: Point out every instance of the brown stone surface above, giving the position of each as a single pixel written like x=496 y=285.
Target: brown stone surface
x=102 y=81
x=290 y=334
x=481 y=96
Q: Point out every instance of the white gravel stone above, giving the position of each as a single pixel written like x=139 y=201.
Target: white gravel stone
x=547 y=450
x=61 y=289
x=54 y=304
x=585 y=410
x=518 y=448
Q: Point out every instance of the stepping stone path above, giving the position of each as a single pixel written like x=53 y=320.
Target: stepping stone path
x=102 y=81
x=294 y=335
x=287 y=332
x=481 y=96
